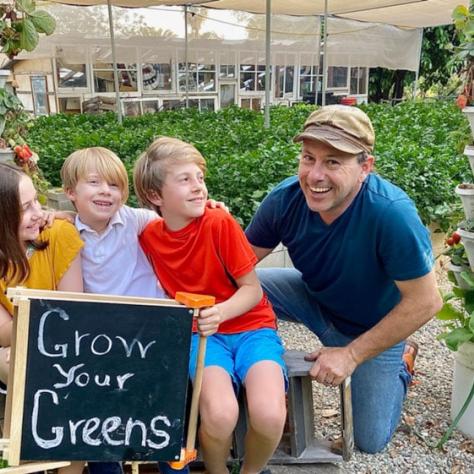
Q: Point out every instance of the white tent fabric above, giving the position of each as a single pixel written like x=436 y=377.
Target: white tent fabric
x=362 y=44
x=349 y=42
x=404 y=13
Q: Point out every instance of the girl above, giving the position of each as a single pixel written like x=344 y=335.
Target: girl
x=41 y=259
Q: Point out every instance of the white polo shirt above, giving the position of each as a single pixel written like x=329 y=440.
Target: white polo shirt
x=113 y=262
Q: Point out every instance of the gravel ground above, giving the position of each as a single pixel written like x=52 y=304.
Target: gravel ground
x=424 y=419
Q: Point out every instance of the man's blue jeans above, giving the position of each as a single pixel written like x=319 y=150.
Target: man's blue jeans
x=379 y=385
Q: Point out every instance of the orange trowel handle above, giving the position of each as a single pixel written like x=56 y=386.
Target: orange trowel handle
x=196 y=302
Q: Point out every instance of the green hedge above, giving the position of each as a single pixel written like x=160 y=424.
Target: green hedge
x=418 y=146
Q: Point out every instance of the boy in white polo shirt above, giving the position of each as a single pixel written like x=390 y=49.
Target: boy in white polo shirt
x=96 y=181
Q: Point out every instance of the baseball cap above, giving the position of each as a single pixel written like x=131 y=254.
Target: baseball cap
x=343 y=127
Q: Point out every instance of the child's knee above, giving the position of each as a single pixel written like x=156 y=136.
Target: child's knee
x=268 y=420
x=219 y=417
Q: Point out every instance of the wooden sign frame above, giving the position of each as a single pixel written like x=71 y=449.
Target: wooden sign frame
x=21 y=298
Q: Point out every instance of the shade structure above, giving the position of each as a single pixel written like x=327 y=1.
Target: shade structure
x=404 y=13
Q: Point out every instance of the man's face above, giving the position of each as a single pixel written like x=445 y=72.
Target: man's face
x=330 y=179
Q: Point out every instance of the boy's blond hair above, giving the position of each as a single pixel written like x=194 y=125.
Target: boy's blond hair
x=98 y=159
x=152 y=166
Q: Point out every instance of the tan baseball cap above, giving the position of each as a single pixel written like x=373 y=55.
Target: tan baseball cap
x=343 y=127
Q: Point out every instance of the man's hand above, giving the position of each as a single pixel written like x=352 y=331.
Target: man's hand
x=216 y=204
x=331 y=365
x=208 y=320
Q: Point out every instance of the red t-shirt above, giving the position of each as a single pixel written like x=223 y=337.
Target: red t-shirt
x=203 y=258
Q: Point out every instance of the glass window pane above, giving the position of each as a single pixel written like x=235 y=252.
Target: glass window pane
x=131 y=109
x=207 y=104
x=173 y=104
x=354 y=80
x=206 y=82
x=70 y=105
x=157 y=77
x=191 y=82
x=104 y=81
x=279 y=80
x=227 y=71
x=337 y=76
x=247 y=81
x=71 y=75
x=193 y=103
x=127 y=81
x=245 y=103
x=256 y=104
x=150 y=106
x=363 y=80
x=227 y=95
x=261 y=81
x=290 y=72
x=40 y=95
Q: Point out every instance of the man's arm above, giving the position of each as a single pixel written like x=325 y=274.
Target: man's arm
x=261 y=252
x=420 y=301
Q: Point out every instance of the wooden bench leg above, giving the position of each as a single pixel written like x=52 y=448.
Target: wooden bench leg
x=346 y=419
x=300 y=414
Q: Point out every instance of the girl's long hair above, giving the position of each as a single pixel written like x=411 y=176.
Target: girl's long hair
x=14 y=264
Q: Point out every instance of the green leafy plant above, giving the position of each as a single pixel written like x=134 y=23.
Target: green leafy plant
x=464 y=22
x=456 y=251
x=458 y=313
x=416 y=149
x=14 y=121
x=21 y=24
x=467 y=225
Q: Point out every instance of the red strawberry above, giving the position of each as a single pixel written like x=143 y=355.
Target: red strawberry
x=456 y=237
x=450 y=241
x=461 y=101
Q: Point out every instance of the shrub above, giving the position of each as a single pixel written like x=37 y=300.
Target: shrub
x=418 y=147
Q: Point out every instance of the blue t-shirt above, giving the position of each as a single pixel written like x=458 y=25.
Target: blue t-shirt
x=351 y=264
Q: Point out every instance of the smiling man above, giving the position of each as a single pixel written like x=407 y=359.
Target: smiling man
x=363 y=279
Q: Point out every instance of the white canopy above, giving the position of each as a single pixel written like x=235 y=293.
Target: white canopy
x=403 y=13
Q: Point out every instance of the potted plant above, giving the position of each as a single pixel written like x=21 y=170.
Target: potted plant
x=464 y=22
x=458 y=335
x=466 y=231
x=13 y=122
x=458 y=261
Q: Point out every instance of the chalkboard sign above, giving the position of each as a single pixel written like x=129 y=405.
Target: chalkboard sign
x=102 y=380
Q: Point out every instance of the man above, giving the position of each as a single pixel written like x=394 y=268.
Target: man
x=363 y=278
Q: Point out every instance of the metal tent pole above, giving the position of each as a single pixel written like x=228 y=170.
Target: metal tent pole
x=114 y=62
x=417 y=72
x=186 y=67
x=316 y=82
x=325 y=46
x=268 y=25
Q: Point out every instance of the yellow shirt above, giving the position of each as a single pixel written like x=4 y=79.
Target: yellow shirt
x=48 y=266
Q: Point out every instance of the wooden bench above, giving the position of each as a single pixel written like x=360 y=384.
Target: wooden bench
x=299 y=445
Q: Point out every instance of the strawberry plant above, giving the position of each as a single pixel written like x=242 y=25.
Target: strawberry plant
x=21 y=25
x=417 y=148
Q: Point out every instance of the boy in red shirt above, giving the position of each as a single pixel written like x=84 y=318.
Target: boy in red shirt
x=205 y=251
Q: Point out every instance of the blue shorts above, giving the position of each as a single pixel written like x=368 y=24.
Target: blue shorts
x=236 y=353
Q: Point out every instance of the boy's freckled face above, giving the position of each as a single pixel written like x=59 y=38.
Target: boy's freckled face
x=96 y=200
x=183 y=195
